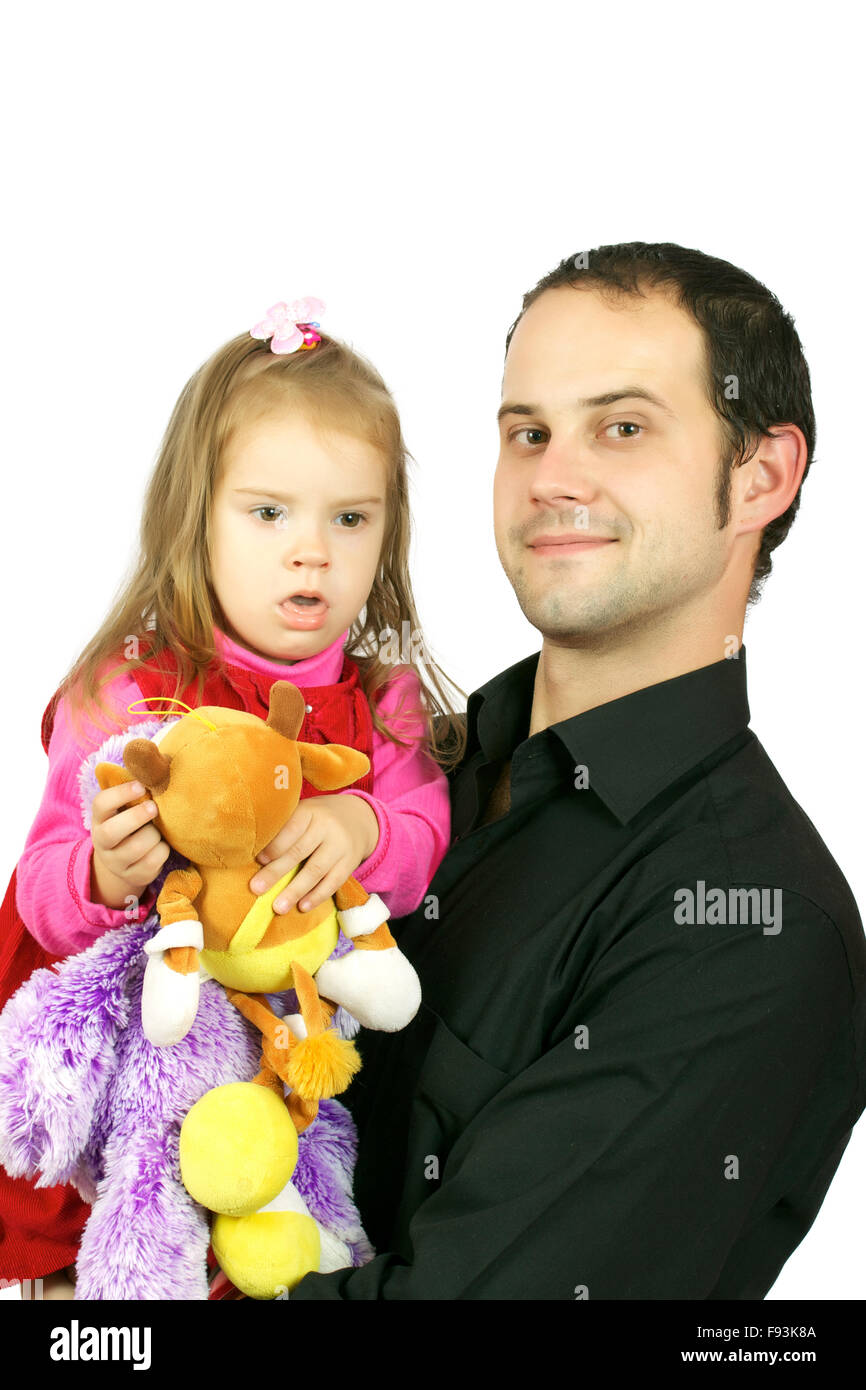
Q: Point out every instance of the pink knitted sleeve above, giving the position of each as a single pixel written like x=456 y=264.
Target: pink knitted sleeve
x=53 y=880
x=411 y=801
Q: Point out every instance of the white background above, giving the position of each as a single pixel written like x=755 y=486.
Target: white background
x=172 y=170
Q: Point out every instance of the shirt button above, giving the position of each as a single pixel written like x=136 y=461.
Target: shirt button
x=308 y=708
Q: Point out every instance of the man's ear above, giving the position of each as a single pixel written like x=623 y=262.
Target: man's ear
x=329 y=766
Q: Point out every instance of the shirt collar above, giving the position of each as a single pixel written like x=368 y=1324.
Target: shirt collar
x=634 y=746
x=323 y=668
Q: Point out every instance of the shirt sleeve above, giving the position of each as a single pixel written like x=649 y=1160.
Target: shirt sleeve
x=625 y=1163
x=53 y=878
x=412 y=806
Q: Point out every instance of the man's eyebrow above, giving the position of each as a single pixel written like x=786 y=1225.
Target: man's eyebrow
x=286 y=497
x=607 y=398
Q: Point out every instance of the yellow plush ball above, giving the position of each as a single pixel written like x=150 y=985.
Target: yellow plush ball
x=267 y=1253
x=238 y=1148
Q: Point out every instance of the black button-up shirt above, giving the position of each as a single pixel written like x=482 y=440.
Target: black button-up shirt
x=640 y=1051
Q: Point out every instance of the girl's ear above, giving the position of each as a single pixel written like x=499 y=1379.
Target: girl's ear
x=329 y=766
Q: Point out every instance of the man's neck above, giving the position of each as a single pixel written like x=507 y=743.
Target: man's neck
x=570 y=680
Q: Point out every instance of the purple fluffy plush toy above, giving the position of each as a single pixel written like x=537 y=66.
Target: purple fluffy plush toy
x=86 y=1098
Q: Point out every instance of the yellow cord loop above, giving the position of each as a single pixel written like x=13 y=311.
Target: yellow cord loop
x=146 y=699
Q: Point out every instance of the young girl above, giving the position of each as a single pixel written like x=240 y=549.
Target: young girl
x=274 y=545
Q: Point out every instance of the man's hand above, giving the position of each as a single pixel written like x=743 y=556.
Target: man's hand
x=334 y=834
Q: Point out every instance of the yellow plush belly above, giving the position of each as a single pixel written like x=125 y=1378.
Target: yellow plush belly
x=267 y=970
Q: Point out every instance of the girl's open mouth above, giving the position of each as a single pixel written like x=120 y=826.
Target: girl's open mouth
x=302 y=612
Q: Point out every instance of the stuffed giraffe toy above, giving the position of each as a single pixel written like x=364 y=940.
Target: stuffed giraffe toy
x=224 y=783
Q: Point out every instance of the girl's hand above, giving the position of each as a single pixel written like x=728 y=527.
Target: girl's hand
x=128 y=851
x=334 y=834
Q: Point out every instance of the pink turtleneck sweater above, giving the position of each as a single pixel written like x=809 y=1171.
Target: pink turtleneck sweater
x=411 y=805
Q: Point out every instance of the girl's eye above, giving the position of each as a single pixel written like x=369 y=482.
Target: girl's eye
x=358 y=516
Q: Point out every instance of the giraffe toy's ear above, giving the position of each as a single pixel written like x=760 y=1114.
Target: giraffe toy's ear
x=328 y=766
x=110 y=775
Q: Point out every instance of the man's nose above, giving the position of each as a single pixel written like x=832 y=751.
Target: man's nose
x=563 y=474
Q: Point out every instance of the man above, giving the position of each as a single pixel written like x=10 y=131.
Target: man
x=635 y=1067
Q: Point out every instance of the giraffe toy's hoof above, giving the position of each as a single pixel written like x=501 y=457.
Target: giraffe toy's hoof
x=268 y=1252
x=379 y=988
x=169 y=1000
x=238 y=1148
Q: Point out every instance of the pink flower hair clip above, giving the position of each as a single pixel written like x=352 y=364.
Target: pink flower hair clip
x=291 y=326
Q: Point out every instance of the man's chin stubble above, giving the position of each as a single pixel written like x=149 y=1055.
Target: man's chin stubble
x=557 y=618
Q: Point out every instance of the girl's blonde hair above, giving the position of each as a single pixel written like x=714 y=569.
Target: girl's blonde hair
x=169 y=601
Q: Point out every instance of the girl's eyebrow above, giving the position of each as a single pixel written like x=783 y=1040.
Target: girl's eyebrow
x=286 y=497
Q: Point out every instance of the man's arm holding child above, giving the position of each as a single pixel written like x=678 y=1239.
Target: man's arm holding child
x=663 y=1123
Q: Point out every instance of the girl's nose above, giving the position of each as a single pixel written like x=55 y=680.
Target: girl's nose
x=309 y=549
x=308 y=555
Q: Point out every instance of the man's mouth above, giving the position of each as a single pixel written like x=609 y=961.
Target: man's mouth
x=568 y=545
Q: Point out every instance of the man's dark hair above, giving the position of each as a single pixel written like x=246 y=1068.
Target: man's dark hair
x=748 y=336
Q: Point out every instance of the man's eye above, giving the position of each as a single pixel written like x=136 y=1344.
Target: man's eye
x=360 y=516
x=527 y=429
x=629 y=424
x=539 y=434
